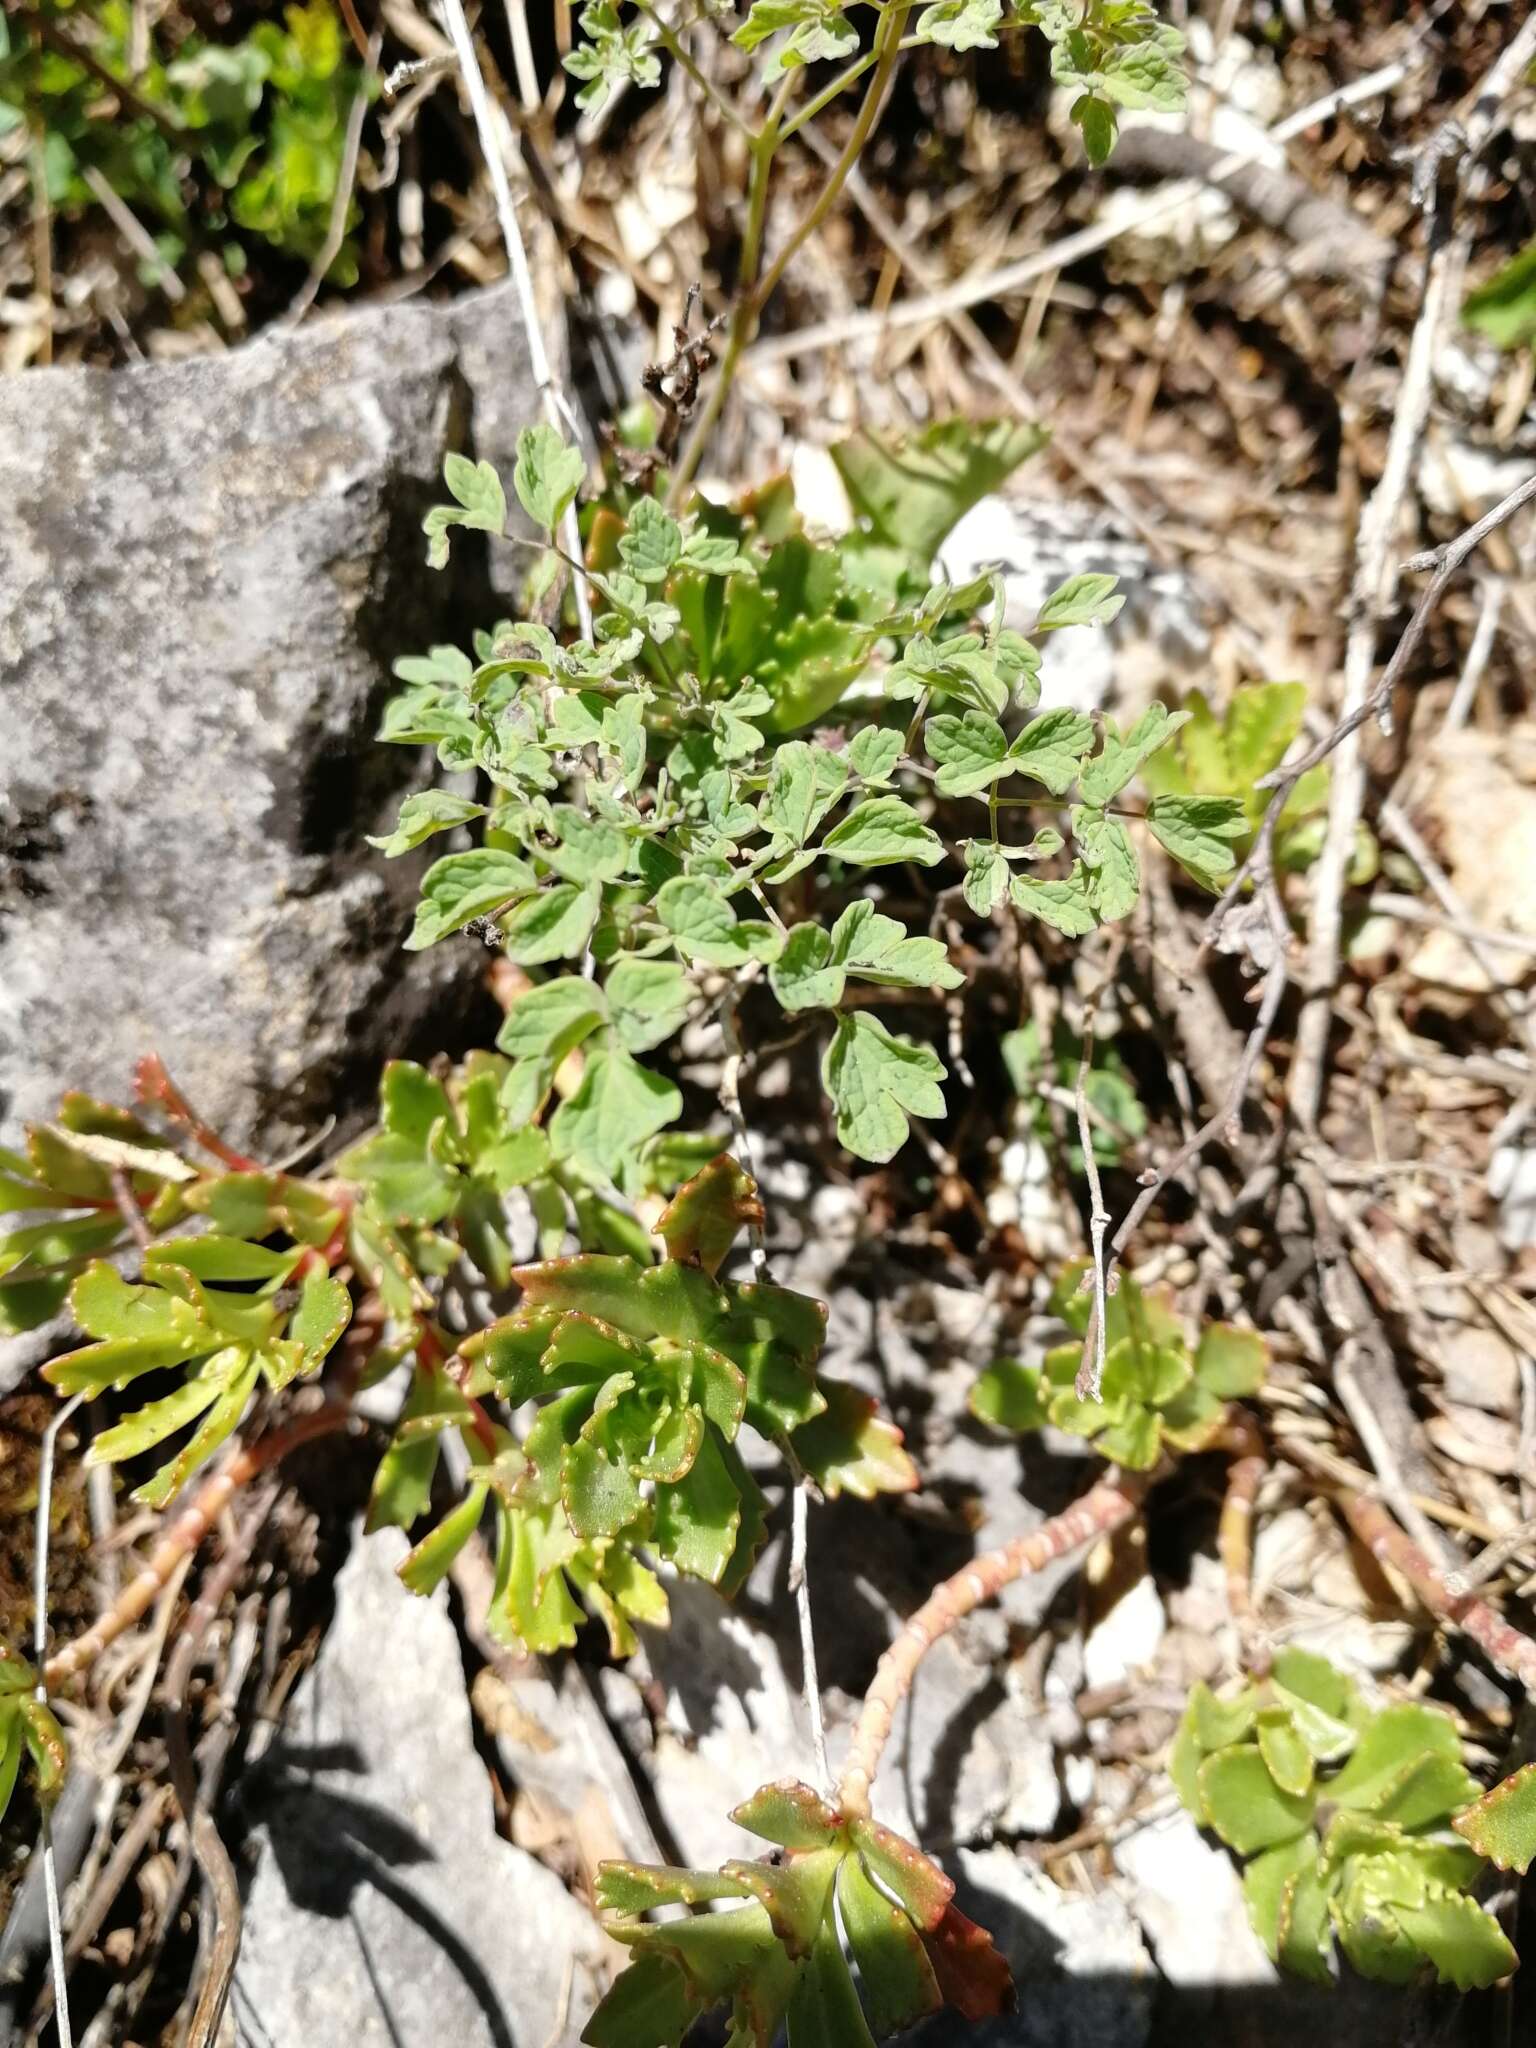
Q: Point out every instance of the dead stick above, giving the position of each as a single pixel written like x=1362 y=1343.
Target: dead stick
x=185 y=1534
x=1104 y=1507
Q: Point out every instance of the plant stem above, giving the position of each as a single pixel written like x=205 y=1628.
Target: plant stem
x=1234 y=1532
x=184 y=1535
x=675 y=48
x=1104 y=1507
x=1504 y=1646
x=755 y=294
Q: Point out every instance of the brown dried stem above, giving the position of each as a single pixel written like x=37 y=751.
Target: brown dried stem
x=185 y=1533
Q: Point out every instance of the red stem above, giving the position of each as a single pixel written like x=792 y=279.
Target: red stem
x=1504 y=1646
x=185 y=1534
x=1104 y=1507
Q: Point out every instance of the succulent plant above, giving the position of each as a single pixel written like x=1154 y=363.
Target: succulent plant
x=1344 y=1814
x=777 y=1959
x=1158 y=1392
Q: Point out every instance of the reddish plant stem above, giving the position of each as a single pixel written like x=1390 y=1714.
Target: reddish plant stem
x=433 y=1356
x=154 y=1087
x=1504 y=1647
x=1234 y=1532
x=1113 y=1501
x=184 y=1534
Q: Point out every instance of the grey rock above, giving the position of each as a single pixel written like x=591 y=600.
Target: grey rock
x=1083 y=1975
x=206 y=569
x=385 y=1908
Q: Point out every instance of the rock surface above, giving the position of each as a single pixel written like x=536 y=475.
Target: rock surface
x=385 y=1908
x=206 y=569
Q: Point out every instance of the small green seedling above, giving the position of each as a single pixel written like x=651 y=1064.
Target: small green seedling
x=1159 y=1393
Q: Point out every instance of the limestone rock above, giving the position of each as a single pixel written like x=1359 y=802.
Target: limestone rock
x=206 y=569
x=385 y=1906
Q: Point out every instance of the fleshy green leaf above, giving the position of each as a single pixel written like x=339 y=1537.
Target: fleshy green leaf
x=1502 y=1825
x=1466 y=1945
x=1246 y=1807
x=1010 y=1396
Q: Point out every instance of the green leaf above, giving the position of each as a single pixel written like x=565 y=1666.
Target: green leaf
x=1096 y=118
x=1505 y=307
x=1009 y=1396
x=1230 y=1362
x=1269 y=1883
x=481 y=504
x=1063 y=904
x=825 y=2010
x=1502 y=1825
x=648 y=1000
x=971 y=750
x=1196 y=829
x=1394 y=1746
x=790 y=1814
x=850 y=1447
x=1466 y=1945
x=902 y=1870
x=600 y=1498
x=548 y=475
x=428 y=811
x=708 y=1213
x=551 y=1020
x=554 y=925
x=805 y=976
x=876 y=1081
x=618 y=1105
x=874 y=751
x=987 y=876
x=706 y=928
x=218 y=1425
x=804 y=783
x=914 y=490
x=650 y=2001
x=1286 y=1757
x=1114 y=874
x=324 y=1311
x=1118 y=759
x=898 y=1980
x=961 y=24
x=698 y=1519
x=883 y=829
x=652 y=545
x=462 y=886
x=1050 y=749
x=1246 y=1807
x=1219 y=1722
x=432 y=1559
x=589 y=850
x=1086 y=600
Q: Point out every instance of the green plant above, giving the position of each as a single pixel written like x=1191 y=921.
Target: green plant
x=27 y=1727
x=1344 y=1815
x=1159 y=1392
x=834 y=1882
x=216 y=137
x=1230 y=755
x=721 y=634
